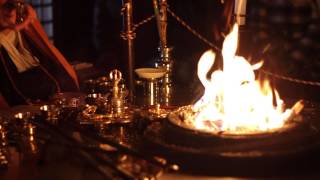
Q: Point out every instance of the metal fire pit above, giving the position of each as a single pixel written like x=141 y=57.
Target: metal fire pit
x=281 y=151
x=177 y=122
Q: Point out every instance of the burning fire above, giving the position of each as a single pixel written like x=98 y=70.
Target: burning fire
x=234 y=101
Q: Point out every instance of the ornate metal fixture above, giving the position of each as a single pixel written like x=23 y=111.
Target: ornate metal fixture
x=111 y=107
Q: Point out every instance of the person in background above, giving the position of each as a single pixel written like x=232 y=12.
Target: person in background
x=291 y=29
x=32 y=69
x=285 y=34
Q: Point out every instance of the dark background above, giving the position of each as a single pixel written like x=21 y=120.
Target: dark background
x=89 y=31
x=73 y=28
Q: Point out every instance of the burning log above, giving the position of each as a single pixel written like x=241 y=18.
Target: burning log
x=296 y=109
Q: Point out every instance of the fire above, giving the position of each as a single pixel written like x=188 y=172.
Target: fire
x=234 y=100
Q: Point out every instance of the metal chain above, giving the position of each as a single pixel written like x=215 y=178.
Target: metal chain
x=198 y=35
x=194 y=32
x=298 y=81
x=128 y=35
x=132 y=34
x=146 y=20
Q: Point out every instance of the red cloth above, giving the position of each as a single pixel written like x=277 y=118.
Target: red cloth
x=3 y=103
x=37 y=34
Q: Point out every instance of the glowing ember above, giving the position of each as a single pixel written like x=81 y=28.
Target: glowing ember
x=233 y=100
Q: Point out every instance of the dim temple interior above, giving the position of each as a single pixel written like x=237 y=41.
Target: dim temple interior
x=159 y=89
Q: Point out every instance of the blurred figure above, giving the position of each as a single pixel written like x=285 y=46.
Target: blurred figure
x=291 y=28
x=285 y=34
x=31 y=68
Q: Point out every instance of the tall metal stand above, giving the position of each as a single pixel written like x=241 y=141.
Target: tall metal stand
x=129 y=35
x=161 y=16
x=165 y=60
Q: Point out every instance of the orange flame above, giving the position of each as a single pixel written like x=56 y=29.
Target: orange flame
x=233 y=100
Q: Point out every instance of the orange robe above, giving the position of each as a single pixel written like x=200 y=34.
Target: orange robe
x=35 y=33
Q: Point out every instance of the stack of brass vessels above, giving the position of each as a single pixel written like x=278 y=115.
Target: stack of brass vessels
x=109 y=107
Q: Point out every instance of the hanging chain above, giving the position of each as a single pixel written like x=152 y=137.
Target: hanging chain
x=194 y=32
x=198 y=35
x=128 y=34
x=146 y=20
x=132 y=34
x=298 y=81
